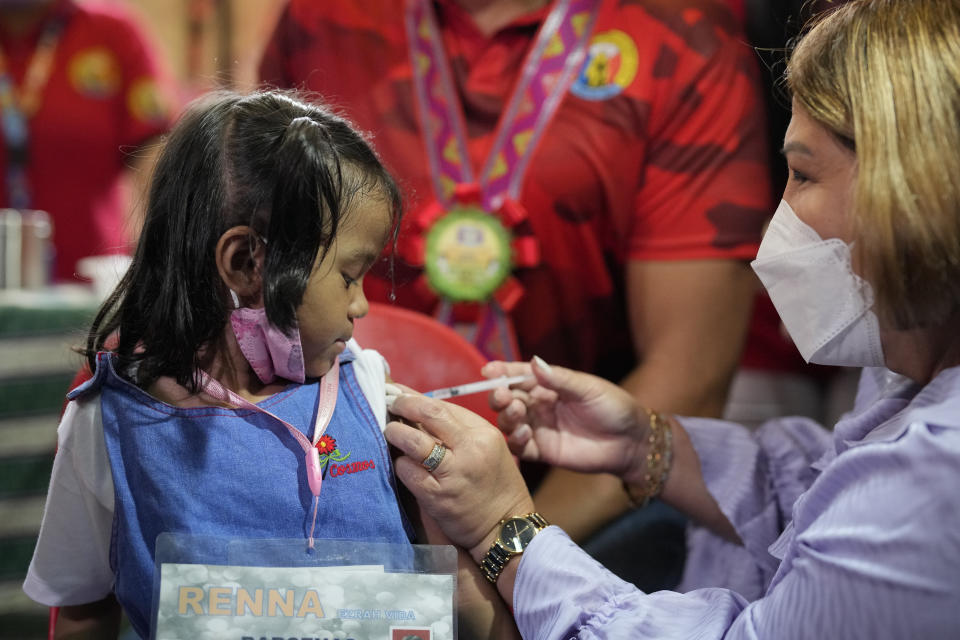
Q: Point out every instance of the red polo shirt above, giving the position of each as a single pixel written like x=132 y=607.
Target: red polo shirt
x=656 y=153
x=102 y=101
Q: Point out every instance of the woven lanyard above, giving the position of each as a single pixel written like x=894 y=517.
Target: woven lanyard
x=329 y=385
x=18 y=105
x=551 y=66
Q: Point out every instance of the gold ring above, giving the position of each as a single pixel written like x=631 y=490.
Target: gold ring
x=432 y=461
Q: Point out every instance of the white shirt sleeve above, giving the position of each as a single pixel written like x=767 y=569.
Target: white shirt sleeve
x=71 y=563
x=372 y=370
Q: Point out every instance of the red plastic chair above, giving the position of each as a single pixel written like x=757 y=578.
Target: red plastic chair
x=423 y=353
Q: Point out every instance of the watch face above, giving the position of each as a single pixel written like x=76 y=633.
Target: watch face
x=516 y=533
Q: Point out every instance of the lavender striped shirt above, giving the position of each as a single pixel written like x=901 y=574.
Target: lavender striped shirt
x=854 y=535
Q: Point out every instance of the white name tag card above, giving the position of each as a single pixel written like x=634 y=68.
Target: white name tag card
x=216 y=602
x=208 y=588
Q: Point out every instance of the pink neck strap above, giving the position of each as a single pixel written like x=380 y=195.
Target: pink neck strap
x=328 y=402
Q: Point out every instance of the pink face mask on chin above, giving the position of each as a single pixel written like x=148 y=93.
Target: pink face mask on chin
x=271 y=352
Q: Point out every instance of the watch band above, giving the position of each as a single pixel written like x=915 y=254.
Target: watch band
x=496 y=559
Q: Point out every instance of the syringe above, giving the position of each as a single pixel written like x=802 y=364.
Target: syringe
x=476 y=387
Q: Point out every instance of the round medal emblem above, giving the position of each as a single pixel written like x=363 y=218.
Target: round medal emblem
x=468 y=255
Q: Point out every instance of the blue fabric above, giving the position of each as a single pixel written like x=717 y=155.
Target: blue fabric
x=236 y=473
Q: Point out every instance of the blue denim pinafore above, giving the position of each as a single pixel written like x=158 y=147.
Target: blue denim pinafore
x=236 y=473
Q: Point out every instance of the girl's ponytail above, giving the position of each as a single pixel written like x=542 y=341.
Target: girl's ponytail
x=308 y=190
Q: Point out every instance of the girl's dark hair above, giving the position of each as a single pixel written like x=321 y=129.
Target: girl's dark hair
x=272 y=160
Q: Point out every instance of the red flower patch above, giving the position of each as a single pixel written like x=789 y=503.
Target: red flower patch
x=327 y=444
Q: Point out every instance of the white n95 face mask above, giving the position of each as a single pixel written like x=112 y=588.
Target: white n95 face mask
x=824 y=305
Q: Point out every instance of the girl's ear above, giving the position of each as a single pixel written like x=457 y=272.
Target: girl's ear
x=240 y=254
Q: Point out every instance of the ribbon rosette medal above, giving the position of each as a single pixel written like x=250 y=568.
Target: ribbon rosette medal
x=465 y=245
x=468 y=256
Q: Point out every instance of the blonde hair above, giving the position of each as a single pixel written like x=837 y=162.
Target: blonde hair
x=884 y=77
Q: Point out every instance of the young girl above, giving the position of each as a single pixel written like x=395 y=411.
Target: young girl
x=233 y=390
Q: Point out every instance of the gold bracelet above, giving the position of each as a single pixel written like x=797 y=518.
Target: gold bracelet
x=659 y=457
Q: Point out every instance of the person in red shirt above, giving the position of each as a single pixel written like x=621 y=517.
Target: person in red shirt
x=88 y=92
x=646 y=193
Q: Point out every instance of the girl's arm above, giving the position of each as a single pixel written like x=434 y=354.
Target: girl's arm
x=481 y=613
x=71 y=559
x=94 y=621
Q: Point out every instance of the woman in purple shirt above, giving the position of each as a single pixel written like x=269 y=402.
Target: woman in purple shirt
x=849 y=534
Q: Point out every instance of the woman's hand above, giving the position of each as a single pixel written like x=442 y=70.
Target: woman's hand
x=569 y=419
x=476 y=484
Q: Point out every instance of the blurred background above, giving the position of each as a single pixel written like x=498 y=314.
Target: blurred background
x=197 y=45
x=209 y=43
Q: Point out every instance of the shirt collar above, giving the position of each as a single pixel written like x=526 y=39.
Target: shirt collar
x=908 y=403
